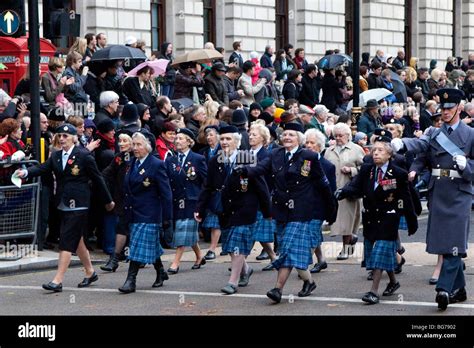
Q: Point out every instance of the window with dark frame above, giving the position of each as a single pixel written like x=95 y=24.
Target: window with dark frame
x=408 y=30
x=158 y=24
x=209 y=7
x=349 y=39
x=281 y=20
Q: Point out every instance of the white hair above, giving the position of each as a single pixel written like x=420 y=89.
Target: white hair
x=320 y=137
x=140 y=136
x=263 y=131
x=342 y=128
x=108 y=97
x=301 y=137
x=237 y=139
x=125 y=136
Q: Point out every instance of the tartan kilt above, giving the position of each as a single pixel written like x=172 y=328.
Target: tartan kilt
x=211 y=221
x=295 y=247
x=403 y=224
x=238 y=239
x=368 y=246
x=316 y=229
x=383 y=256
x=264 y=229
x=145 y=244
x=185 y=233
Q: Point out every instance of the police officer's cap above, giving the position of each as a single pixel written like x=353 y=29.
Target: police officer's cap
x=66 y=129
x=383 y=135
x=449 y=97
x=187 y=132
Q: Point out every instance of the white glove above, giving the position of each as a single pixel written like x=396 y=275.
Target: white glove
x=18 y=156
x=397 y=144
x=461 y=161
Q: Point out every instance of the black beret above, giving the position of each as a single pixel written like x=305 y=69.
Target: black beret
x=67 y=129
x=383 y=135
x=105 y=126
x=293 y=126
x=186 y=131
x=228 y=129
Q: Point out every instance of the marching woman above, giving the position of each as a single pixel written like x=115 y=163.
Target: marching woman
x=211 y=221
x=259 y=138
x=316 y=142
x=386 y=197
x=114 y=175
x=187 y=172
x=297 y=174
x=148 y=203
x=239 y=198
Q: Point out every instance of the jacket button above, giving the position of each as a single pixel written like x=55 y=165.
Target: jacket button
x=376 y=210
x=439 y=177
x=297 y=182
x=452 y=178
x=232 y=213
x=287 y=191
x=230 y=200
x=437 y=166
x=378 y=221
x=286 y=204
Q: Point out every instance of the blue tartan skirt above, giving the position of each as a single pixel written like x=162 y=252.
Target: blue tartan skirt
x=238 y=239
x=368 y=246
x=403 y=224
x=264 y=229
x=383 y=256
x=185 y=233
x=145 y=244
x=295 y=247
x=316 y=229
x=211 y=221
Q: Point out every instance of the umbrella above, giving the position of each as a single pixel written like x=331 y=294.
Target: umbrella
x=399 y=89
x=115 y=52
x=334 y=60
x=199 y=56
x=376 y=93
x=159 y=67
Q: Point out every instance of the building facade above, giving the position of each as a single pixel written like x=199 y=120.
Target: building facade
x=427 y=29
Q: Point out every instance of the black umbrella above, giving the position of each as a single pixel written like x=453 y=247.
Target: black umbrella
x=399 y=89
x=115 y=52
x=334 y=60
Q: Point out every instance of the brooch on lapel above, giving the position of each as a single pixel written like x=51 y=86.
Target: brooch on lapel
x=244 y=184
x=306 y=168
x=146 y=182
x=142 y=171
x=75 y=170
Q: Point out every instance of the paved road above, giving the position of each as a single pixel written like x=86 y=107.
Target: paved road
x=196 y=292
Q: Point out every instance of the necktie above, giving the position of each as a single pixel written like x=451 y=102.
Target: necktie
x=137 y=165
x=379 y=176
x=65 y=157
x=181 y=159
x=450 y=130
x=287 y=157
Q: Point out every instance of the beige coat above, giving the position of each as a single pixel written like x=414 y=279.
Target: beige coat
x=349 y=212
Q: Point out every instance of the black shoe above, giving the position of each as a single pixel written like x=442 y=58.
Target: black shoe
x=319 y=266
x=307 y=288
x=433 y=281
x=442 y=298
x=48 y=246
x=130 y=284
x=398 y=268
x=370 y=275
x=161 y=275
x=268 y=267
x=173 y=270
x=210 y=255
x=111 y=265
x=263 y=256
x=223 y=253
x=459 y=295
x=275 y=295
x=370 y=298
x=244 y=279
x=362 y=264
x=53 y=287
x=391 y=288
x=401 y=251
x=88 y=281
x=198 y=265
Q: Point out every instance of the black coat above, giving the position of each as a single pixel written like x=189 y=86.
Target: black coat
x=291 y=90
x=309 y=94
x=137 y=95
x=73 y=182
x=331 y=94
x=375 y=81
x=114 y=176
x=216 y=88
x=384 y=205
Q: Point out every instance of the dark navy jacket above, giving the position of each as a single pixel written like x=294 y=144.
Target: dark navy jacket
x=293 y=198
x=186 y=183
x=330 y=171
x=148 y=196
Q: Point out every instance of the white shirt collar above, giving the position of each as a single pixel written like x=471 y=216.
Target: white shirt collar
x=184 y=153
x=142 y=160
x=69 y=151
x=257 y=150
x=292 y=151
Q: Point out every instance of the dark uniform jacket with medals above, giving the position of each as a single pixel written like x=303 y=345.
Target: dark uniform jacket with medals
x=384 y=205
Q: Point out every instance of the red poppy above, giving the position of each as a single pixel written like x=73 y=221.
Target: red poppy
x=70 y=162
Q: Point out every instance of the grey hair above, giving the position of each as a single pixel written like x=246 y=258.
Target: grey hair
x=301 y=137
x=320 y=137
x=387 y=147
x=189 y=139
x=343 y=128
x=263 y=131
x=237 y=139
x=125 y=136
x=139 y=135
x=468 y=107
x=213 y=130
x=108 y=97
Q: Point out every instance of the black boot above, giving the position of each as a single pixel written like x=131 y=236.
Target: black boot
x=161 y=275
x=130 y=284
x=112 y=264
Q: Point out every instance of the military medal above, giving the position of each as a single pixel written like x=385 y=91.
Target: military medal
x=75 y=170
x=244 y=184
x=191 y=173
x=142 y=171
x=146 y=182
x=306 y=168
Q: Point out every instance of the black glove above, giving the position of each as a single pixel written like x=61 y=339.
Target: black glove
x=166 y=224
x=240 y=170
x=339 y=195
x=331 y=213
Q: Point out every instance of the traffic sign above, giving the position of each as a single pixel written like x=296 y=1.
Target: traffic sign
x=9 y=22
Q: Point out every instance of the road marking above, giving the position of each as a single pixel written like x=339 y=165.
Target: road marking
x=215 y=294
